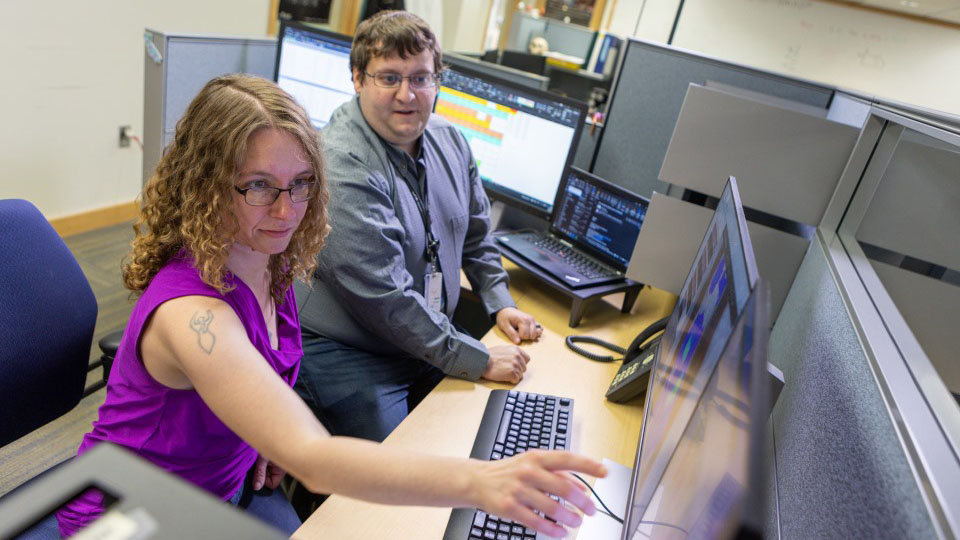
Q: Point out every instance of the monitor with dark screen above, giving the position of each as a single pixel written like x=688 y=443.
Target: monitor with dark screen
x=313 y=65
x=524 y=61
x=714 y=295
x=522 y=138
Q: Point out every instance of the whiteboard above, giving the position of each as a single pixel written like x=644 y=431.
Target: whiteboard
x=891 y=57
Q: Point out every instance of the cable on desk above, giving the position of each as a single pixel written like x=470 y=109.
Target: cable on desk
x=635 y=350
x=572 y=341
x=599 y=500
x=620 y=520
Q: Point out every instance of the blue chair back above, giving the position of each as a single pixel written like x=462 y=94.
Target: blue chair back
x=47 y=317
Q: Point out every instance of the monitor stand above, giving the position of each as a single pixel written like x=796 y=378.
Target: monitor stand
x=508 y=218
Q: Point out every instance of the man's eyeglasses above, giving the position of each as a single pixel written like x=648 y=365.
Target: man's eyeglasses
x=386 y=79
x=265 y=196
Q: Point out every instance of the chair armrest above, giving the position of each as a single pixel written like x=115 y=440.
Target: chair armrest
x=110 y=343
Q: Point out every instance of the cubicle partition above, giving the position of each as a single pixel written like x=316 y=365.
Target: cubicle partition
x=176 y=66
x=867 y=429
x=648 y=92
x=786 y=157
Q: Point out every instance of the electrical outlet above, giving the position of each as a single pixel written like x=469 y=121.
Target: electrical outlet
x=124 y=140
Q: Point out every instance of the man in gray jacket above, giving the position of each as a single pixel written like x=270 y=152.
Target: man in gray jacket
x=407 y=211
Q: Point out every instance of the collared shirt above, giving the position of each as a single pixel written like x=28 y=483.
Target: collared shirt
x=368 y=290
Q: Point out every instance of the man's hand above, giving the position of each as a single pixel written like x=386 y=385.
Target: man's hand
x=265 y=473
x=506 y=364
x=517 y=325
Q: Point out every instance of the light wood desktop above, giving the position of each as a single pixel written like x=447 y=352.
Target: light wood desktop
x=446 y=421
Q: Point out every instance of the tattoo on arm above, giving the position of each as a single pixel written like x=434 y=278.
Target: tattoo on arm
x=201 y=325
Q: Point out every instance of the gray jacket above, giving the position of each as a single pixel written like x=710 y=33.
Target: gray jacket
x=368 y=290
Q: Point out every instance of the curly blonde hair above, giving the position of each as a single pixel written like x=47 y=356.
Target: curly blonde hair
x=186 y=204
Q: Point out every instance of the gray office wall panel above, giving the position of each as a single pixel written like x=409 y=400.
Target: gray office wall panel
x=917 y=198
x=672 y=232
x=193 y=62
x=523 y=29
x=187 y=62
x=841 y=471
x=787 y=163
x=571 y=39
x=587 y=146
x=649 y=91
x=932 y=310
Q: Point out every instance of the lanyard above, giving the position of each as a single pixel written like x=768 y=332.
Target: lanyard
x=433 y=245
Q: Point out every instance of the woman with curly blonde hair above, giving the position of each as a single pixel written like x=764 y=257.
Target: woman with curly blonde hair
x=201 y=383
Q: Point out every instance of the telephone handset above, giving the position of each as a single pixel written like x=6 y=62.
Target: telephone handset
x=631 y=379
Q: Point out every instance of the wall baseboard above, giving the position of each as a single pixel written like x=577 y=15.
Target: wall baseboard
x=95 y=219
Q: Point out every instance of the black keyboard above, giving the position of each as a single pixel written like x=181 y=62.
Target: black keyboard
x=568 y=264
x=576 y=259
x=513 y=422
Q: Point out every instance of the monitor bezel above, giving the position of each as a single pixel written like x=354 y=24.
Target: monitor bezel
x=321 y=33
x=753 y=278
x=507 y=199
x=609 y=186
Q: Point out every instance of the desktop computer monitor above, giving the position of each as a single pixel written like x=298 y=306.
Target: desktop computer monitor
x=522 y=139
x=712 y=486
x=713 y=297
x=313 y=65
x=524 y=61
x=529 y=80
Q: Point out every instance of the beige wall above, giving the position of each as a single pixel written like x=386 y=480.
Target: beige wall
x=72 y=74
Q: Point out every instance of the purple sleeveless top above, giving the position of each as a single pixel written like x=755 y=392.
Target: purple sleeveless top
x=174 y=429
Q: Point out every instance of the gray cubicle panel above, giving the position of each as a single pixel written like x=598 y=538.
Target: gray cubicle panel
x=651 y=83
x=787 y=161
x=840 y=470
x=672 y=232
x=867 y=431
x=506 y=73
x=570 y=39
x=176 y=68
x=587 y=145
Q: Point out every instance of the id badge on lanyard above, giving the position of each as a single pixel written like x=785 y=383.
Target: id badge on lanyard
x=433 y=288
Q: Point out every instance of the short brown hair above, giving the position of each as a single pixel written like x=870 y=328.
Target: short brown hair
x=185 y=205
x=393 y=32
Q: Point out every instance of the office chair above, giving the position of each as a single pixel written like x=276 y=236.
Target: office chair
x=47 y=317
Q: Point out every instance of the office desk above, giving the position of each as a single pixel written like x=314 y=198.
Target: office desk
x=445 y=422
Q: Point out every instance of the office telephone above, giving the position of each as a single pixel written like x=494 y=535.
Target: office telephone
x=631 y=379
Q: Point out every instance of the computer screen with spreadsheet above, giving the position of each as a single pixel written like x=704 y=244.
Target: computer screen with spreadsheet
x=522 y=139
x=599 y=217
x=313 y=65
